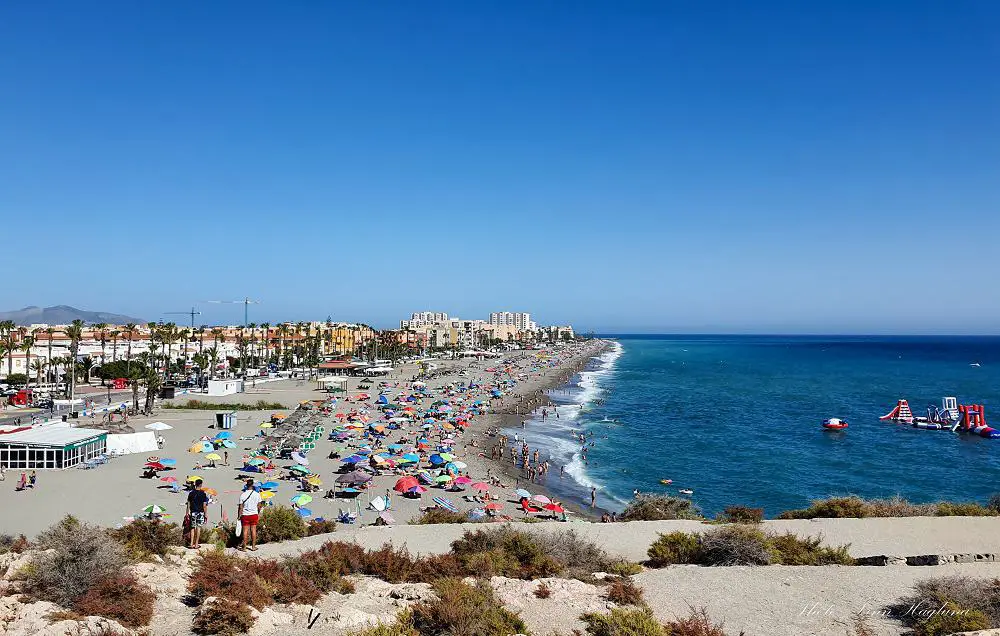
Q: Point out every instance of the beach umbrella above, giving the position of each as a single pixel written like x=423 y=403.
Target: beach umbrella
x=210 y=491
x=301 y=500
x=442 y=478
x=463 y=480
x=554 y=507
x=166 y=461
x=417 y=490
x=436 y=460
x=494 y=506
x=269 y=485
x=159 y=426
x=300 y=458
x=542 y=499
x=228 y=444
x=405 y=483
x=480 y=485
x=299 y=469
x=522 y=493
x=267 y=425
x=410 y=457
x=354 y=459
x=213 y=456
x=267 y=494
x=460 y=465
x=169 y=480
x=223 y=435
x=445 y=503
x=386 y=517
x=425 y=477
x=153 y=509
x=354 y=477
x=202 y=447
x=255 y=462
x=304 y=512
x=314 y=480
x=155 y=465
x=191 y=478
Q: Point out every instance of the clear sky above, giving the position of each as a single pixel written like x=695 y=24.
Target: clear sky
x=661 y=166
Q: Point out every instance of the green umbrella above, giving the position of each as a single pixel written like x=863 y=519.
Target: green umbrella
x=299 y=468
x=154 y=509
x=442 y=478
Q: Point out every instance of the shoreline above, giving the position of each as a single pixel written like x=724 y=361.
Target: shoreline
x=509 y=416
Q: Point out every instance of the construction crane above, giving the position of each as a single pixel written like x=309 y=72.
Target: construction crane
x=191 y=313
x=246 y=302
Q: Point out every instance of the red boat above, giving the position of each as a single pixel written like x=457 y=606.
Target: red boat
x=835 y=424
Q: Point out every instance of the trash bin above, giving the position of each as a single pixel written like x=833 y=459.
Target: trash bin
x=167 y=392
x=64 y=418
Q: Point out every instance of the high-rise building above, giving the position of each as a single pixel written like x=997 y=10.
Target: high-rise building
x=518 y=319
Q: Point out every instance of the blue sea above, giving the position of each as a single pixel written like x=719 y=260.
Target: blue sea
x=737 y=419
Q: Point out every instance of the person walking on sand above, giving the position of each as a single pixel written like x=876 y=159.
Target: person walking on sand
x=22 y=483
x=249 y=514
x=33 y=479
x=3 y=473
x=593 y=497
x=197 y=513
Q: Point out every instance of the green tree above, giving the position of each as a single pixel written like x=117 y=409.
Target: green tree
x=75 y=333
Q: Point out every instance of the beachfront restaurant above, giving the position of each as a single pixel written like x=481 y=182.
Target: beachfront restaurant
x=51 y=447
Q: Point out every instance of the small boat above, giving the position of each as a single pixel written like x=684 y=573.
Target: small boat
x=834 y=424
x=666 y=482
x=685 y=491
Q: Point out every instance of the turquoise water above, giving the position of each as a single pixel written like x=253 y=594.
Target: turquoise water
x=737 y=420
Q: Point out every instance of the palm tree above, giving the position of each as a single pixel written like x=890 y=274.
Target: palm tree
x=252 y=341
x=213 y=355
x=265 y=341
x=114 y=344
x=75 y=334
x=7 y=335
x=38 y=366
x=201 y=337
x=50 y=331
x=102 y=334
x=282 y=349
x=26 y=345
x=129 y=335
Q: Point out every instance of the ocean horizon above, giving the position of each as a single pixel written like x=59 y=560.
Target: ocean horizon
x=737 y=419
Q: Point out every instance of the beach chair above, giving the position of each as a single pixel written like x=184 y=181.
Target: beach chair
x=346 y=517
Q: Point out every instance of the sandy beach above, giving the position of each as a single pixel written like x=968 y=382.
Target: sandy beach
x=116 y=491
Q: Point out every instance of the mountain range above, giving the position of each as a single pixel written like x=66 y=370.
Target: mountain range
x=63 y=315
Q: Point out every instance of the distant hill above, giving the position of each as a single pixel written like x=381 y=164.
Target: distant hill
x=63 y=315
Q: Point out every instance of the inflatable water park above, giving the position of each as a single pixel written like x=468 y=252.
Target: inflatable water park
x=951 y=416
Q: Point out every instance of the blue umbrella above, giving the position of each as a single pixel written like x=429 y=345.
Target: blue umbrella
x=425 y=477
x=522 y=493
x=411 y=457
x=228 y=444
x=436 y=460
x=223 y=435
x=168 y=462
x=395 y=447
x=304 y=512
x=354 y=459
x=269 y=485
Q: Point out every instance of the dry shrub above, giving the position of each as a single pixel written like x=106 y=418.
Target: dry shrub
x=436 y=566
x=951 y=619
x=962 y=509
x=324 y=574
x=465 y=610
x=675 y=547
x=963 y=592
x=896 y=507
x=624 y=591
x=543 y=590
x=346 y=558
x=144 y=538
x=621 y=621
x=735 y=545
x=325 y=526
x=579 y=557
x=120 y=597
x=659 y=508
x=223 y=617
x=696 y=624
x=285 y=585
x=789 y=549
x=391 y=564
x=80 y=555
x=741 y=514
x=223 y=575
x=439 y=515
x=856 y=507
x=835 y=507
x=10 y=543
x=278 y=523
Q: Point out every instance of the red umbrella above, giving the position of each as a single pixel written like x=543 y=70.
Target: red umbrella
x=480 y=485
x=168 y=479
x=554 y=507
x=405 y=483
x=494 y=506
x=155 y=465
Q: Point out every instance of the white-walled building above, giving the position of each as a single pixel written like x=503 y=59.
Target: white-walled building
x=520 y=319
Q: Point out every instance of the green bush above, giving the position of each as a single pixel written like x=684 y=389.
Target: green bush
x=223 y=617
x=951 y=619
x=835 y=508
x=789 y=549
x=741 y=514
x=578 y=557
x=632 y=621
x=145 y=538
x=963 y=509
x=673 y=548
x=503 y=551
x=439 y=515
x=465 y=610
x=659 y=508
x=201 y=405
x=278 y=523
x=979 y=595
x=624 y=568
x=402 y=626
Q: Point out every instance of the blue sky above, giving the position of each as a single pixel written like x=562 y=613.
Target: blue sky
x=625 y=166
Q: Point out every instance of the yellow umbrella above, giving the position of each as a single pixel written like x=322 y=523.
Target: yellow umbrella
x=194 y=477
x=315 y=481
x=267 y=494
x=267 y=425
x=197 y=448
x=214 y=456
